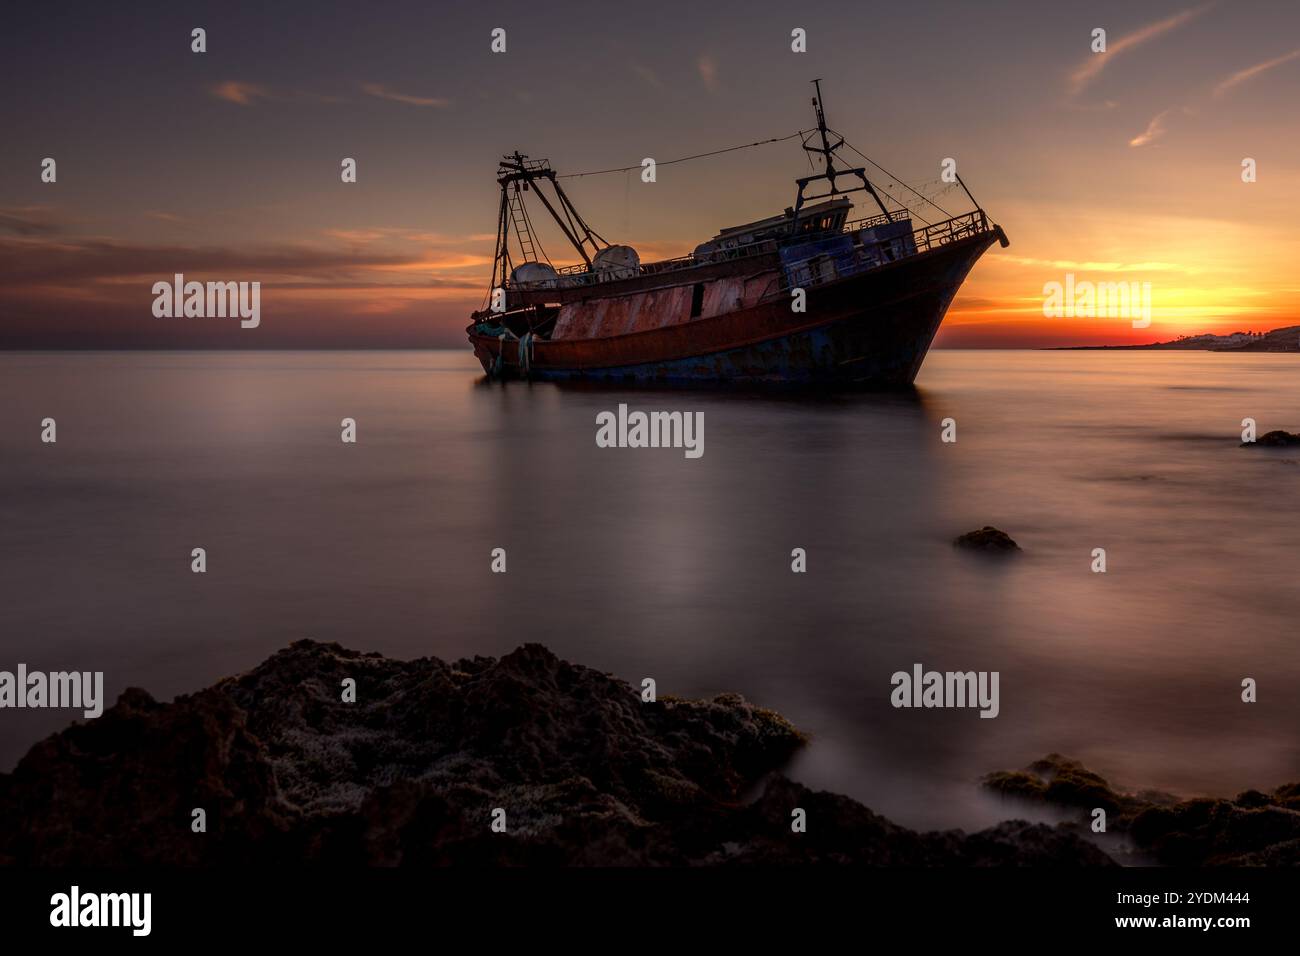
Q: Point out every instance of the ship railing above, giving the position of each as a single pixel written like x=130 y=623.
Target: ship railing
x=855 y=224
x=823 y=268
x=925 y=238
x=579 y=275
x=959 y=227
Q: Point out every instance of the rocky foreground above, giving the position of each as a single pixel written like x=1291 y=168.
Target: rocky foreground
x=585 y=772
x=411 y=773
x=1252 y=829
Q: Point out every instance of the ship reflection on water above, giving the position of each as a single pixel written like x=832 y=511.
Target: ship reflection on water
x=643 y=562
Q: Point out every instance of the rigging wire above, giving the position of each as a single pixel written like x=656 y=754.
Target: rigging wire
x=889 y=174
x=781 y=139
x=669 y=162
x=904 y=207
x=764 y=142
x=927 y=195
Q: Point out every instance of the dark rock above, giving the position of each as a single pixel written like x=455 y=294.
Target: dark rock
x=1017 y=784
x=841 y=830
x=1253 y=829
x=1252 y=799
x=986 y=538
x=1276 y=439
x=1288 y=795
x=586 y=772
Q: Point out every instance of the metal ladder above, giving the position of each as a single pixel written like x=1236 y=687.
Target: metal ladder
x=522 y=228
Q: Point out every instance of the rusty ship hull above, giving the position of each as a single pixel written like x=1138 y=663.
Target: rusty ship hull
x=871 y=329
x=804 y=297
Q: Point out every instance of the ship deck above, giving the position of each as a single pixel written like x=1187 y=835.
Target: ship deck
x=575 y=283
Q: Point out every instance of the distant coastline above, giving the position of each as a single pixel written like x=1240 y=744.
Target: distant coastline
x=1285 y=339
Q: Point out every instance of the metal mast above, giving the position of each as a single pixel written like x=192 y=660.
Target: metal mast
x=827 y=152
x=518 y=174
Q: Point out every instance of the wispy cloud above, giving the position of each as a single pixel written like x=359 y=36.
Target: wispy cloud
x=30 y=221
x=1088 y=71
x=1085 y=107
x=399 y=233
x=1241 y=76
x=1155 y=129
x=234 y=91
x=708 y=70
x=357 y=235
x=1094 y=265
x=81 y=262
x=384 y=93
x=650 y=77
x=62 y=291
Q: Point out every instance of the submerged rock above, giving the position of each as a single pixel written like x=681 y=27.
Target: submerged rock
x=986 y=538
x=411 y=773
x=1276 y=439
x=1253 y=829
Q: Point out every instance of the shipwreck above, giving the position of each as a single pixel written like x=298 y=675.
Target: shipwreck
x=808 y=297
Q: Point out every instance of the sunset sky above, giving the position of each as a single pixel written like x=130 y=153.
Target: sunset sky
x=225 y=165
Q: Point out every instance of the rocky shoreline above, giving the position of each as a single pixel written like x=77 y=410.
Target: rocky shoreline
x=1251 y=829
x=585 y=772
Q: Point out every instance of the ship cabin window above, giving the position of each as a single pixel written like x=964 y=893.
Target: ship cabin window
x=697 y=300
x=824 y=223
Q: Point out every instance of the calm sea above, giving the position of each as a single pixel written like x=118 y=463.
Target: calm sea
x=646 y=563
